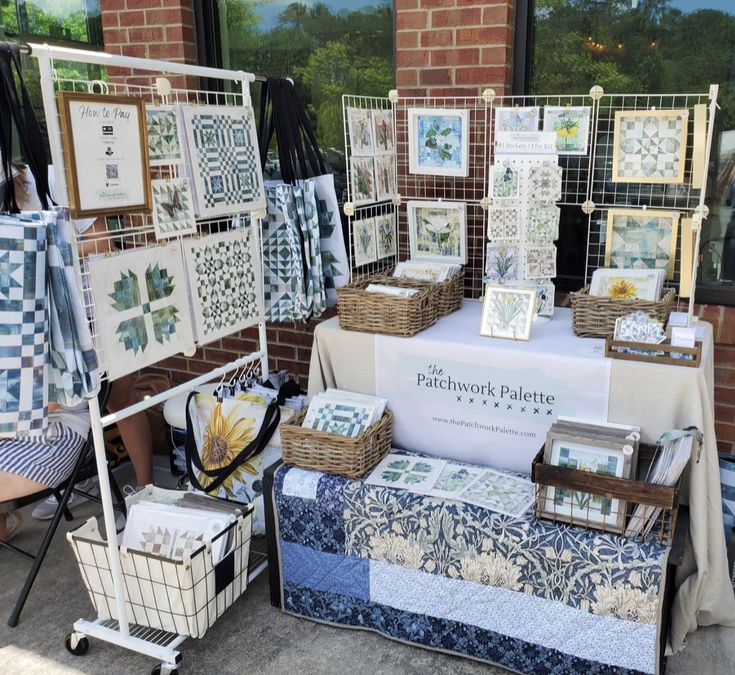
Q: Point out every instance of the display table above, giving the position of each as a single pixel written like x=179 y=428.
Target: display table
x=529 y=595
x=653 y=396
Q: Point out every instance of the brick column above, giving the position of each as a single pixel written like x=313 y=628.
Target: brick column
x=453 y=47
x=154 y=29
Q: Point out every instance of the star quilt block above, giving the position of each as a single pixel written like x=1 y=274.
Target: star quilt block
x=164 y=142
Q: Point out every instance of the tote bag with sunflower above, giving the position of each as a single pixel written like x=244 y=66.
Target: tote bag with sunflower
x=229 y=443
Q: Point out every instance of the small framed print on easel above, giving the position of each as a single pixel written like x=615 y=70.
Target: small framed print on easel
x=105 y=154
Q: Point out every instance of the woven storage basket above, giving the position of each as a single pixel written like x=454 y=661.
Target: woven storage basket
x=404 y=317
x=594 y=316
x=341 y=455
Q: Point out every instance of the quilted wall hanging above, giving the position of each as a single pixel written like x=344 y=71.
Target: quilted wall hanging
x=224 y=159
x=142 y=307
x=225 y=283
x=24 y=346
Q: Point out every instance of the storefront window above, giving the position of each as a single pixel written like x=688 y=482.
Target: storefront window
x=328 y=48
x=653 y=46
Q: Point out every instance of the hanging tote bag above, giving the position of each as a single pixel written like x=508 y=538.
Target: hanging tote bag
x=230 y=442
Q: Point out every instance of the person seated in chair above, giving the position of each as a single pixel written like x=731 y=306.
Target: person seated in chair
x=32 y=464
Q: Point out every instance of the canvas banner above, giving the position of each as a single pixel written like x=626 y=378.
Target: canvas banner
x=488 y=401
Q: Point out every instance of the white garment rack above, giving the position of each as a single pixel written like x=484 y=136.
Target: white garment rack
x=155 y=643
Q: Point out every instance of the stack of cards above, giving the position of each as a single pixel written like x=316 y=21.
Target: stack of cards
x=391 y=290
x=628 y=284
x=343 y=413
x=426 y=271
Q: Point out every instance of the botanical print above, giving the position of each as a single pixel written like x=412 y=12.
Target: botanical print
x=224 y=159
x=650 y=146
x=544 y=296
x=625 y=287
x=385 y=230
x=516 y=119
x=224 y=282
x=438 y=142
x=360 y=127
x=540 y=262
x=173 y=210
x=504 y=223
x=383 y=132
x=545 y=182
x=501 y=262
x=543 y=223
x=508 y=312
x=164 y=146
x=410 y=473
x=437 y=231
x=571 y=125
x=385 y=177
x=505 y=181
x=364 y=241
x=362 y=180
x=501 y=492
x=142 y=307
x=583 y=506
x=638 y=239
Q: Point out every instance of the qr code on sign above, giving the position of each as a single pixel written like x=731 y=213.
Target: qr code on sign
x=111 y=170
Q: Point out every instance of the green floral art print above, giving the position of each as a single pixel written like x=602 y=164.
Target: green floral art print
x=438 y=142
x=437 y=231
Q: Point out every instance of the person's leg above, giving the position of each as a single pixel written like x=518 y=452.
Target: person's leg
x=135 y=430
x=13 y=486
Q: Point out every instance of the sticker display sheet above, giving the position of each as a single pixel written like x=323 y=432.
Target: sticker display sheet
x=24 y=350
x=142 y=307
x=164 y=142
x=225 y=283
x=173 y=208
x=638 y=239
x=650 y=146
x=224 y=159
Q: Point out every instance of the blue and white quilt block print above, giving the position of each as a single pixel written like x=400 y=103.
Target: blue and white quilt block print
x=438 y=141
x=142 y=307
x=164 y=141
x=224 y=159
x=24 y=327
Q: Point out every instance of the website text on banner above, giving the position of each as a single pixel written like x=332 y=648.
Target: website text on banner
x=455 y=394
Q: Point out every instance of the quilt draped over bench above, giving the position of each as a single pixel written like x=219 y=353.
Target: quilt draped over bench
x=525 y=594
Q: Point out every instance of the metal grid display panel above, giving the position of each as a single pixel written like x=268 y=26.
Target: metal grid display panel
x=137 y=230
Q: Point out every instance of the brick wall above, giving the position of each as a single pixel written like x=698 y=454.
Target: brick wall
x=153 y=29
x=453 y=47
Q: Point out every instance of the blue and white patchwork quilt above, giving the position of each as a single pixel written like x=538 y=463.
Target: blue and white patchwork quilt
x=525 y=594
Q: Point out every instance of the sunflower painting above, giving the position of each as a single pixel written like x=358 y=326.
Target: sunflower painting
x=225 y=435
x=622 y=289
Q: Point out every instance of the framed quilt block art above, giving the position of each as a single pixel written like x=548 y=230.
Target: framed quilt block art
x=225 y=283
x=164 y=141
x=438 y=142
x=173 y=209
x=437 y=231
x=641 y=239
x=508 y=312
x=142 y=307
x=649 y=146
x=224 y=159
x=571 y=125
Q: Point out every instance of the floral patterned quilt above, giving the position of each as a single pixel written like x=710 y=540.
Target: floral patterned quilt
x=525 y=594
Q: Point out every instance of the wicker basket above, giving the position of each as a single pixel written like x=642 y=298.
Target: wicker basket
x=594 y=316
x=340 y=455
x=393 y=315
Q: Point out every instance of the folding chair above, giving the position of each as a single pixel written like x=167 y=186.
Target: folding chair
x=84 y=468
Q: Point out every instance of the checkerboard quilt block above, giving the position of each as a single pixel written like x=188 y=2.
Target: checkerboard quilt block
x=504 y=223
x=24 y=327
x=224 y=282
x=650 y=146
x=142 y=307
x=641 y=240
x=224 y=159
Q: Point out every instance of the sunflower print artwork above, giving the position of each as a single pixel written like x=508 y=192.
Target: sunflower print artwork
x=224 y=437
x=622 y=289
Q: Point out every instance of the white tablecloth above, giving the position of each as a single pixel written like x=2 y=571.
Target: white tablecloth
x=653 y=396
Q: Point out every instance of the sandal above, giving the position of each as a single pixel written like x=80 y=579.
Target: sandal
x=10 y=524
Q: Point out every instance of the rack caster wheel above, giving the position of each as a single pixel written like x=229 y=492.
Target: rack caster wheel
x=77 y=645
x=163 y=669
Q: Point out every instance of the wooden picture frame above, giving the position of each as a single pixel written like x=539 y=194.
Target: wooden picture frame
x=672 y=216
x=589 y=446
x=105 y=154
x=620 y=117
